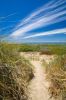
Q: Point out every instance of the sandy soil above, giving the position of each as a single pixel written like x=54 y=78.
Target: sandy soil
x=37 y=57
x=38 y=87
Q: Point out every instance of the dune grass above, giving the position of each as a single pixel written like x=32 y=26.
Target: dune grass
x=15 y=73
x=56 y=74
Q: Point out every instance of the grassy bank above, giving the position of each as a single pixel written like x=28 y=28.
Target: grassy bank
x=56 y=74
x=15 y=73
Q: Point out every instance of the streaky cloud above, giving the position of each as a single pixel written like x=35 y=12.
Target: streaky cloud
x=7 y=27
x=5 y=17
x=39 y=23
x=48 y=6
x=34 y=14
x=57 y=31
x=50 y=13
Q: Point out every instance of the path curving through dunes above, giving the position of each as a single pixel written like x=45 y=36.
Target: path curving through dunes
x=38 y=87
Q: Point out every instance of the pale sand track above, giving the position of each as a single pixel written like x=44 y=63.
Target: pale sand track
x=38 y=87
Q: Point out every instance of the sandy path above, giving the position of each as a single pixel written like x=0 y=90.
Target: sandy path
x=38 y=87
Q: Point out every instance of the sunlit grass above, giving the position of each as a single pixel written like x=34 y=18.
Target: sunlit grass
x=15 y=73
x=56 y=74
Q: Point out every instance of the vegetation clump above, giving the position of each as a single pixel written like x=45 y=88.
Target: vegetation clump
x=48 y=49
x=15 y=74
x=56 y=73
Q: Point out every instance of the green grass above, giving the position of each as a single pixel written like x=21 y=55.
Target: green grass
x=48 y=49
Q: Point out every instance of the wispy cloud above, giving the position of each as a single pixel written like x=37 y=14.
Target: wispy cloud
x=5 y=28
x=49 y=6
x=51 y=13
x=5 y=17
x=57 y=31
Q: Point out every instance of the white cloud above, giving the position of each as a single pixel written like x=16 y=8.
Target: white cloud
x=39 y=23
x=57 y=31
x=5 y=17
x=40 y=19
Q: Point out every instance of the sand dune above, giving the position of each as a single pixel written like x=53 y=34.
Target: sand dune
x=38 y=87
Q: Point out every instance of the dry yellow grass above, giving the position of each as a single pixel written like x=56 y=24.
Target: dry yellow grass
x=15 y=73
x=56 y=73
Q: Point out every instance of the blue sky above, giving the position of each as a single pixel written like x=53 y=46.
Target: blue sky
x=33 y=20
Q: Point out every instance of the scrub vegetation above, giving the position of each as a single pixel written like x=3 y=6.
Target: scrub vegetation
x=49 y=49
x=15 y=73
x=56 y=74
